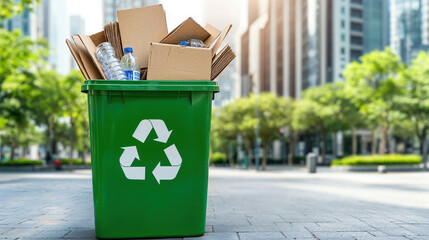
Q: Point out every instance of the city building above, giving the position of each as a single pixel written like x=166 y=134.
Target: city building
x=409 y=33
x=111 y=6
x=46 y=21
x=292 y=45
x=289 y=46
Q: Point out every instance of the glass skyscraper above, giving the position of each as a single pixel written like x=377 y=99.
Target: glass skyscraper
x=409 y=27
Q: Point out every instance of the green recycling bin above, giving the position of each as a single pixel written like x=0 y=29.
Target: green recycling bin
x=149 y=153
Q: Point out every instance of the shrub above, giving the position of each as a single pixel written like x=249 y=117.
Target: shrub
x=217 y=158
x=76 y=161
x=21 y=162
x=392 y=159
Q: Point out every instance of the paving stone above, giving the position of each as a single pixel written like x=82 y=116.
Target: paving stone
x=260 y=235
x=241 y=204
x=216 y=236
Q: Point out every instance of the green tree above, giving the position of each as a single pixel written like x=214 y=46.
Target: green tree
x=373 y=83
x=413 y=100
x=10 y=8
x=75 y=109
x=323 y=110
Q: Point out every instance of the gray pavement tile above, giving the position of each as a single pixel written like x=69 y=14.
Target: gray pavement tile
x=330 y=235
x=215 y=236
x=419 y=229
x=51 y=234
x=81 y=233
x=297 y=234
x=208 y=229
x=21 y=232
x=398 y=231
x=260 y=235
x=244 y=228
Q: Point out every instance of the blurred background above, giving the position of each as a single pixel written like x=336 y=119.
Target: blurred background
x=345 y=80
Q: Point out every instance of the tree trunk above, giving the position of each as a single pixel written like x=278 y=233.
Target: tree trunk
x=264 y=158
x=292 y=150
x=374 y=142
x=1 y=152
x=354 y=142
x=82 y=154
x=382 y=148
x=424 y=147
x=323 y=148
x=12 y=150
x=71 y=139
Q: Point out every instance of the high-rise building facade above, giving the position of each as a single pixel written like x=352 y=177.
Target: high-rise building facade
x=296 y=44
x=409 y=33
x=49 y=20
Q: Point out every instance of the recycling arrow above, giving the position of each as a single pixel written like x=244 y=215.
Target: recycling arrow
x=126 y=159
x=145 y=126
x=168 y=172
x=130 y=153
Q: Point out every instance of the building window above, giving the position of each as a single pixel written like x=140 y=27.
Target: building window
x=343 y=37
x=343 y=23
x=356 y=40
x=343 y=51
x=356 y=27
x=343 y=10
x=356 y=13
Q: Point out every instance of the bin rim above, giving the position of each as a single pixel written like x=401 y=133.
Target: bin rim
x=149 y=85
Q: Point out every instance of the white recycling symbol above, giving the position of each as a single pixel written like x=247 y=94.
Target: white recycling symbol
x=130 y=153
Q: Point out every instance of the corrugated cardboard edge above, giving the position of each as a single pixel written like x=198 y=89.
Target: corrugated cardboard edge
x=76 y=56
x=90 y=46
x=89 y=65
x=221 y=38
x=222 y=60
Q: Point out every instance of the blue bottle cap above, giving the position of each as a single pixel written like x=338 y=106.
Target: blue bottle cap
x=128 y=50
x=182 y=43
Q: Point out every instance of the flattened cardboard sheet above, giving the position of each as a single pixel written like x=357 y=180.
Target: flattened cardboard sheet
x=90 y=46
x=76 y=56
x=90 y=67
x=139 y=27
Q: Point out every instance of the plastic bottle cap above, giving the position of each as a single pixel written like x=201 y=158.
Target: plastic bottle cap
x=182 y=43
x=128 y=49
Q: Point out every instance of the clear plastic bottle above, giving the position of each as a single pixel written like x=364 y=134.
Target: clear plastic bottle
x=130 y=64
x=111 y=66
x=193 y=43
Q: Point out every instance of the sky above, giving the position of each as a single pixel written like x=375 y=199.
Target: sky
x=92 y=14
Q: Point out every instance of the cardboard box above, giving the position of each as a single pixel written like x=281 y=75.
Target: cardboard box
x=139 y=27
x=175 y=62
x=170 y=61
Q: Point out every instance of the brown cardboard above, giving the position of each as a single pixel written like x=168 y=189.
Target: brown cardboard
x=213 y=34
x=221 y=38
x=139 y=27
x=75 y=53
x=221 y=61
x=90 y=46
x=111 y=31
x=92 y=70
x=98 y=38
x=190 y=29
x=174 y=62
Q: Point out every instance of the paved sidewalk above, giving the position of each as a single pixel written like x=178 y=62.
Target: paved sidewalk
x=243 y=205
